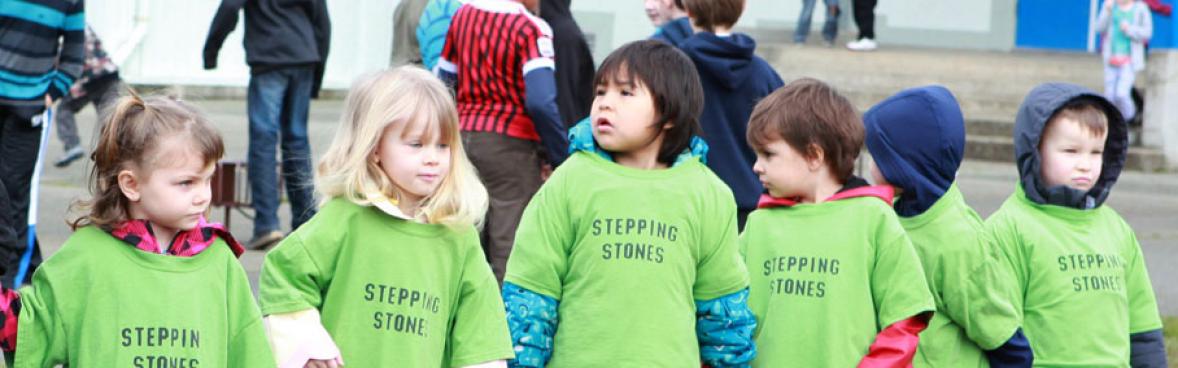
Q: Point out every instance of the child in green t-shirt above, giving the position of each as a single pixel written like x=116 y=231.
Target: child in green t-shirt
x=627 y=257
x=917 y=141
x=144 y=280
x=389 y=272
x=1080 y=281
x=834 y=281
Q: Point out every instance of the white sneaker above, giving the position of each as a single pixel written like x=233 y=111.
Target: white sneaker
x=862 y=44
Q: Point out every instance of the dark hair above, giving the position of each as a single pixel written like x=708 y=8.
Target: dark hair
x=679 y=4
x=709 y=14
x=1084 y=111
x=809 y=114
x=130 y=138
x=674 y=87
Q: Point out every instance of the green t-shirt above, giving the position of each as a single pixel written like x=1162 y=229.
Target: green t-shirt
x=390 y=290
x=971 y=313
x=99 y=302
x=627 y=252
x=1080 y=281
x=826 y=278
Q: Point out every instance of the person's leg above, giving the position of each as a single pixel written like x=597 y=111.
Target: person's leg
x=1124 y=91
x=868 y=26
x=67 y=126
x=20 y=143
x=265 y=95
x=830 y=28
x=510 y=169
x=803 y=29
x=296 y=151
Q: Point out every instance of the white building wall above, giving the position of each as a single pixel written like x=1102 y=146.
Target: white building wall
x=170 y=49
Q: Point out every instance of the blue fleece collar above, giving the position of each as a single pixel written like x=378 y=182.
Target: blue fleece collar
x=581 y=139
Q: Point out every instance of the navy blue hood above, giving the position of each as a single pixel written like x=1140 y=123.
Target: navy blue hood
x=917 y=138
x=1038 y=107
x=728 y=58
x=674 y=32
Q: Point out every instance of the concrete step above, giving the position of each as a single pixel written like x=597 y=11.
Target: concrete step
x=1001 y=149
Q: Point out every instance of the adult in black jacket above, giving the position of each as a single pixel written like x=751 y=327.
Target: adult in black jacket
x=286 y=43
x=574 y=61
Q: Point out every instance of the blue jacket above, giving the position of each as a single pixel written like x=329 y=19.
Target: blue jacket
x=734 y=80
x=674 y=32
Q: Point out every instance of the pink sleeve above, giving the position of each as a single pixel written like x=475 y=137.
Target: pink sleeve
x=895 y=346
x=9 y=305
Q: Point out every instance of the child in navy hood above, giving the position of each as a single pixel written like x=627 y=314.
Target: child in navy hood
x=917 y=141
x=1070 y=146
x=734 y=80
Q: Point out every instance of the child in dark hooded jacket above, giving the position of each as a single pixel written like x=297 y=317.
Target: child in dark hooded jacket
x=917 y=140
x=734 y=80
x=1080 y=282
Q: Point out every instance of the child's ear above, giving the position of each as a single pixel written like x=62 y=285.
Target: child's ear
x=668 y=125
x=129 y=185
x=816 y=158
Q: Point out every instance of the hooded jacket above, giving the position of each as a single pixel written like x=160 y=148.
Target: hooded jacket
x=917 y=139
x=674 y=32
x=734 y=80
x=1040 y=105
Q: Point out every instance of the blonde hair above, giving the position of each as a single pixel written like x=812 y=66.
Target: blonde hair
x=404 y=95
x=129 y=139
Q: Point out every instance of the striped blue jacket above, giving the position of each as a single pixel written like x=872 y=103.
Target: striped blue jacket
x=41 y=51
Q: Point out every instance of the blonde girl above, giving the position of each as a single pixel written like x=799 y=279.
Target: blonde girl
x=390 y=271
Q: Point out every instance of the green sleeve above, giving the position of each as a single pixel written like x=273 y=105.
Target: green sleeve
x=898 y=285
x=1007 y=252
x=290 y=280
x=975 y=292
x=478 y=331
x=40 y=339
x=539 y=257
x=720 y=270
x=1143 y=307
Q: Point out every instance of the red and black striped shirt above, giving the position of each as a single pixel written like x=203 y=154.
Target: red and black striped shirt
x=490 y=46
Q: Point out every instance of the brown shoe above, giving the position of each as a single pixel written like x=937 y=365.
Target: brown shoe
x=261 y=242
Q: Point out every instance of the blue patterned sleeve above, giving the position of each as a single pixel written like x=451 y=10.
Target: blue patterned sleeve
x=725 y=330
x=531 y=317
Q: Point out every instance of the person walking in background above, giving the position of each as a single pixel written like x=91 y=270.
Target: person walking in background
x=406 y=49
x=505 y=86
x=574 y=61
x=99 y=85
x=865 y=20
x=1125 y=26
x=286 y=45
x=671 y=20
x=830 y=29
x=39 y=67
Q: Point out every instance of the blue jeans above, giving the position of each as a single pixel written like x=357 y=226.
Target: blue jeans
x=278 y=104
x=829 y=30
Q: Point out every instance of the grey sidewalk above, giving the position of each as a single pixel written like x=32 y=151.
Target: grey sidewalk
x=1149 y=202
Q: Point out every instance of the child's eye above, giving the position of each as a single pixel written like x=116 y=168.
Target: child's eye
x=600 y=91
x=186 y=183
x=1098 y=152
x=1070 y=150
x=414 y=144
x=626 y=92
x=443 y=145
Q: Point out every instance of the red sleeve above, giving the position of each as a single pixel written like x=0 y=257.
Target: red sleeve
x=9 y=308
x=895 y=346
x=537 y=48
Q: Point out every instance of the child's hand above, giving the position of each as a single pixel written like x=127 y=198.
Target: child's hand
x=1124 y=26
x=329 y=363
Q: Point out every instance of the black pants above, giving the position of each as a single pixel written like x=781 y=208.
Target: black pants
x=865 y=18
x=19 y=145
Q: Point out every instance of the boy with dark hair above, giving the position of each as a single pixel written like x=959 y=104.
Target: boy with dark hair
x=1074 y=259
x=627 y=256
x=505 y=85
x=835 y=281
x=917 y=142
x=734 y=79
